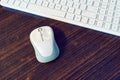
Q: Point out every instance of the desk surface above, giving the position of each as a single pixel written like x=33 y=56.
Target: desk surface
x=84 y=54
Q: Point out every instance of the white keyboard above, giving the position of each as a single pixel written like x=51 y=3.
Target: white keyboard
x=100 y=15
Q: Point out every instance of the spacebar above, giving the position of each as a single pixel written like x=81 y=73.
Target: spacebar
x=45 y=11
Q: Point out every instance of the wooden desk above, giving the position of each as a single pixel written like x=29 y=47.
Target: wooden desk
x=84 y=54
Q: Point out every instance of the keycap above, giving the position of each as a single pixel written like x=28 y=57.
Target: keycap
x=69 y=16
x=96 y=4
x=56 y=1
x=51 y=5
x=58 y=6
x=71 y=10
x=70 y=3
x=116 y=20
x=107 y=25
x=99 y=24
x=83 y=7
x=63 y=2
x=78 y=11
x=117 y=14
x=84 y=19
x=32 y=1
x=45 y=3
x=102 y=11
x=76 y=5
x=108 y=19
x=110 y=13
x=101 y=17
x=26 y=0
x=39 y=2
x=17 y=2
x=90 y=2
x=104 y=5
x=11 y=2
x=77 y=18
x=64 y=8
x=88 y=14
x=23 y=4
x=114 y=27
x=92 y=9
x=91 y=21
x=83 y=1
x=111 y=7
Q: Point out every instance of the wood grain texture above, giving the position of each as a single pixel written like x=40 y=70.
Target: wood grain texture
x=84 y=54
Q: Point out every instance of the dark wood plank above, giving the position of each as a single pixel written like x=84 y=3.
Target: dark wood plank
x=84 y=54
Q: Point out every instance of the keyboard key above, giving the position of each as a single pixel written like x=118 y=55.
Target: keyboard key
x=77 y=18
x=117 y=14
x=32 y=1
x=104 y=5
x=69 y=16
x=119 y=27
x=108 y=19
x=58 y=6
x=118 y=2
x=113 y=2
x=83 y=1
x=84 y=19
x=117 y=8
x=96 y=4
x=23 y=5
x=114 y=27
x=11 y=2
x=98 y=0
x=64 y=8
x=111 y=7
x=83 y=7
x=88 y=14
x=99 y=23
x=26 y=0
x=63 y=2
x=76 y=1
x=45 y=3
x=102 y=11
x=105 y=1
x=50 y=1
x=90 y=2
x=110 y=13
x=101 y=17
x=107 y=25
x=51 y=5
x=91 y=21
x=116 y=20
x=71 y=10
x=17 y=3
x=92 y=9
x=78 y=11
x=39 y=2
x=56 y=1
x=70 y=3
x=76 y=5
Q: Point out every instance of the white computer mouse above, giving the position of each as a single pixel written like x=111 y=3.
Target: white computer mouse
x=45 y=46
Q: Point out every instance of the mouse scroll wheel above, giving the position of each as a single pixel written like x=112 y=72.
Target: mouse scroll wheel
x=41 y=33
x=39 y=29
x=45 y=34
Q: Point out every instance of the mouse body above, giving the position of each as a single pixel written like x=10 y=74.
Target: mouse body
x=44 y=44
